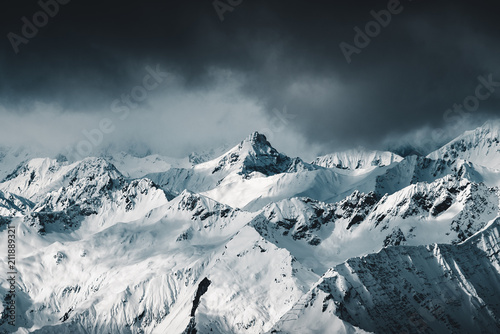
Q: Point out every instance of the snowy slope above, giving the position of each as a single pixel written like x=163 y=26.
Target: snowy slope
x=157 y=262
x=424 y=289
x=67 y=195
x=415 y=169
x=10 y=158
x=34 y=178
x=357 y=159
x=480 y=146
x=322 y=235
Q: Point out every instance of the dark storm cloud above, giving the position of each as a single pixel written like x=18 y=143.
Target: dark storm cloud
x=286 y=52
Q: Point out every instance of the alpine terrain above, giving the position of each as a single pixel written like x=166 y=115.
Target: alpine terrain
x=250 y=240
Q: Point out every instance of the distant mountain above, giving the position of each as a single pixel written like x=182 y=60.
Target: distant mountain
x=10 y=158
x=480 y=146
x=357 y=159
x=137 y=167
x=203 y=156
x=250 y=240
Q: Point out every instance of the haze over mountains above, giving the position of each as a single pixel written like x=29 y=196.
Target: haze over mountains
x=250 y=240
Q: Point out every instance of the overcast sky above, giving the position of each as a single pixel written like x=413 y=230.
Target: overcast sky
x=271 y=66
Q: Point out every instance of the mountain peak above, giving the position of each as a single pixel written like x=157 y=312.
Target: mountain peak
x=257 y=138
x=480 y=146
x=254 y=154
x=492 y=124
x=256 y=143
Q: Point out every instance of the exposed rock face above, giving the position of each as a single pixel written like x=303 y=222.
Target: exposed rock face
x=436 y=289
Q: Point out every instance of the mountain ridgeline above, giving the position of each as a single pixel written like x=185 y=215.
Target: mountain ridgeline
x=250 y=240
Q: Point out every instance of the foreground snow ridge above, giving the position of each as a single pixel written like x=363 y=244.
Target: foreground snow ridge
x=253 y=241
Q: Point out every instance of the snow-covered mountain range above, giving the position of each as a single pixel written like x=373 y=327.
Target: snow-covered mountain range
x=357 y=159
x=254 y=241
